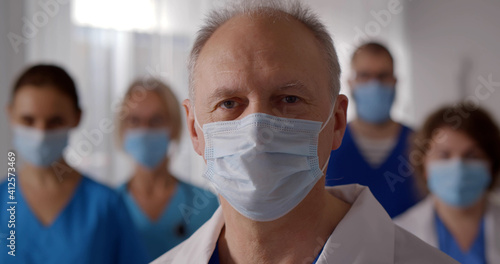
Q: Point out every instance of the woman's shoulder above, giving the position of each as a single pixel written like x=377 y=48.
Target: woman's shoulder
x=494 y=202
x=98 y=191
x=3 y=182
x=421 y=210
x=7 y=190
x=198 y=197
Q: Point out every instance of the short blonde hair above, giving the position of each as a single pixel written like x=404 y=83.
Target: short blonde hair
x=174 y=122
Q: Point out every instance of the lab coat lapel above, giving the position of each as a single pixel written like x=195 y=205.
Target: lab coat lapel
x=201 y=245
x=365 y=234
x=426 y=222
x=492 y=229
x=420 y=221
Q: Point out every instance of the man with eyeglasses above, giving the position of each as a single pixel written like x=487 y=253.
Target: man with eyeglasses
x=374 y=149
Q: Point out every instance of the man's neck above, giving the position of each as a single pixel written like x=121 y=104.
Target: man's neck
x=299 y=235
x=388 y=129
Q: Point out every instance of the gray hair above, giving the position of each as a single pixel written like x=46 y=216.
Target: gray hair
x=273 y=8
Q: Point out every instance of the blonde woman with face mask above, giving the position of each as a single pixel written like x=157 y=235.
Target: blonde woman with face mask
x=164 y=209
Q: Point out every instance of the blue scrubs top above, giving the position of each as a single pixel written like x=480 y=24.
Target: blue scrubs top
x=189 y=208
x=447 y=244
x=392 y=183
x=93 y=228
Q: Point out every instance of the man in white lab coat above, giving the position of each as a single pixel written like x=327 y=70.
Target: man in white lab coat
x=265 y=112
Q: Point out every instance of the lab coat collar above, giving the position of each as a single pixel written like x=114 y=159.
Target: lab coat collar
x=365 y=235
x=421 y=217
x=200 y=246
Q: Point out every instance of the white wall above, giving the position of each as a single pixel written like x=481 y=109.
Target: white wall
x=10 y=64
x=452 y=45
x=353 y=22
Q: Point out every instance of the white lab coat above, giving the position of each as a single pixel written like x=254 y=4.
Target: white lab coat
x=420 y=221
x=366 y=234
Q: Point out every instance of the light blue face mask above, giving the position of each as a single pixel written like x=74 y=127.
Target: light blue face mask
x=263 y=165
x=40 y=148
x=374 y=101
x=458 y=183
x=147 y=147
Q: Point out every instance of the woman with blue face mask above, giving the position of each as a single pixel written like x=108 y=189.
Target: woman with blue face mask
x=457 y=155
x=50 y=213
x=165 y=210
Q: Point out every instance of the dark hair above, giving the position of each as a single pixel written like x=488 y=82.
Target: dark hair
x=48 y=75
x=475 y=123
x=372 y=48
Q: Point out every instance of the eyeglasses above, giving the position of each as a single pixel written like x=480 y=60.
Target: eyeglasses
x=383 y=77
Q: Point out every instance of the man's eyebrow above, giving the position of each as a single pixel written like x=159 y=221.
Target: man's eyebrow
x=221 y=92
x=227 y=92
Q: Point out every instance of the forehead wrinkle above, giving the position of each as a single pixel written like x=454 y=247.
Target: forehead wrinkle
x=228 y=51
x=290 y=85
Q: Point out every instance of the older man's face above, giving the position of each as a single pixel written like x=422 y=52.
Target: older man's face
x=263 y=65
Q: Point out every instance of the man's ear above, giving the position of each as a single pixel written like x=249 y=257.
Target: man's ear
x=340 y=120
x=190 y=120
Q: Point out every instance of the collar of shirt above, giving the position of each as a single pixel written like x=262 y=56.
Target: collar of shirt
x=365 y=233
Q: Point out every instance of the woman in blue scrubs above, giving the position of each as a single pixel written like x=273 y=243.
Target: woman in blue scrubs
x=50 y=213
x=164 y=209
x=458 y=160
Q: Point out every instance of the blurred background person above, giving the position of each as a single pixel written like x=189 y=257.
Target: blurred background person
x=165 y=210
x=457 y=158
x=374 y=149
x=61 y=216
x=105 y=53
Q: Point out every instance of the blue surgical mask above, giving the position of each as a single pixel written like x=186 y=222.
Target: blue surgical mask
x=458 y=183
x=263 y=165
x=147 y=147
x=374 y=101
x=40 y=148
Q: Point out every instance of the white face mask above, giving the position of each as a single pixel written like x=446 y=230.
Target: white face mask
x=263 y=165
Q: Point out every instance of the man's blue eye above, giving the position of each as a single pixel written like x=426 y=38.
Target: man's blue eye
x=290 y=99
